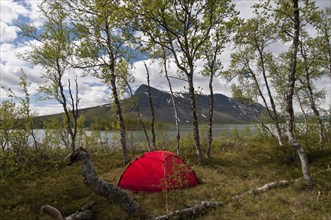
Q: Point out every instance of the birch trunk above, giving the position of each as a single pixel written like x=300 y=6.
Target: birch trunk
x=194 y=117
x=152 y=108
x=173 y=103
x=120 y=119
x=63 y=100
x=289 y=113
x=310 y=93
x=211 y=113
x=115 y=94
x=273 y=114
x=316 y=112
x=145 y=130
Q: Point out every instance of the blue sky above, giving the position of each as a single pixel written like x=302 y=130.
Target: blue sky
x=92 y=91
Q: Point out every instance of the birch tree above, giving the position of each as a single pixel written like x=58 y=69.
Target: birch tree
x=182 y=27
x=24 y=113
x=150 y=98
x=219 y=37
x=102 y=44
x=52 y=53
x=310 y=71
x=174 y=104
x=7 y=118
x=289 y=22
x=249 y=63
x=323 y=27
x=288 y=17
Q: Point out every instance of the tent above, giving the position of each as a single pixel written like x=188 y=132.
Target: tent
x=157 y=171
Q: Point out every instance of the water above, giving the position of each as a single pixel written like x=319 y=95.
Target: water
x=138 y=138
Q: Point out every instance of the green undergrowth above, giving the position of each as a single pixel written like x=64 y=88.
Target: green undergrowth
x=237 y=165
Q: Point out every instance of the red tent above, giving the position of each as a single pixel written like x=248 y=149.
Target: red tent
x=157 y=171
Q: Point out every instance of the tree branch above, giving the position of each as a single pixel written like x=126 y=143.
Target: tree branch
x=186 y=213
x=84 y=213
x=174 y=77
x=262 y=189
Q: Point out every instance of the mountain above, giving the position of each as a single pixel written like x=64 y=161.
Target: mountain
x=226 y=109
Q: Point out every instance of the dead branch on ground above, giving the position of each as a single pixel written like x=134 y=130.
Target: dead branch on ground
x=204 y=206
x=84 y=213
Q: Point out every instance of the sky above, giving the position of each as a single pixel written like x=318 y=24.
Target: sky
x=92 y=91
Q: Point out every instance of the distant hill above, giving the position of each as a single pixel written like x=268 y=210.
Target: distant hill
x=226 y=109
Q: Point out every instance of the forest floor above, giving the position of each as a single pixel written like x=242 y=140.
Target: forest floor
x=236 y=166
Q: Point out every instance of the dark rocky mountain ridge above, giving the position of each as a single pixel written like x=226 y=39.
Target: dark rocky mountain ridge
x=226 y=109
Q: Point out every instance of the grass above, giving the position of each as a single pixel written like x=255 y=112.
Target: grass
x=235 y=167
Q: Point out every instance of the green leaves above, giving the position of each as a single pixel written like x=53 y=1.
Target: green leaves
x=185 y=27
x=16 y=121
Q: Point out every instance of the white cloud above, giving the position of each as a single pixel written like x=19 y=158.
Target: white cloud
x=9 y=53
x=89 y=96
x=8 y=33
x=46 y=109
x=34 y=12
x=10 y=11
x=95 y=95
x=244 y=7
x=11 y=68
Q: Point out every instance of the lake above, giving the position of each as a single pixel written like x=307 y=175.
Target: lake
x=163 y=136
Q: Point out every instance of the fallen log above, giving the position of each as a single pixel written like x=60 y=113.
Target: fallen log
x=113 y=193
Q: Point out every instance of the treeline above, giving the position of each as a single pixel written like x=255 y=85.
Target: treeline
x=107 y=122
x=277 y=57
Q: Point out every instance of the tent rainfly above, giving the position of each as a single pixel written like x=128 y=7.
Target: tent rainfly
x=157 y=171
